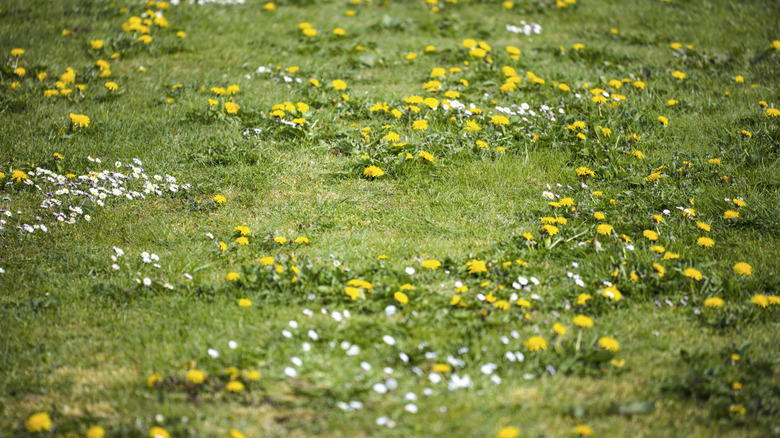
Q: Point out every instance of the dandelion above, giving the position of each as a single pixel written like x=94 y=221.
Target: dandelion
x=664 y=121
x=401 y=297
x=231 y=107
x=158 y=432
x=703 y=226
x=19 y=175
x=280 y=240
x=501 y=305
x=730 y=214
x=426 y=156
x=582 y=299
x=96 y=432
x=391 y=137
x=38 y=422
x=431 y=264
x=604 y=229
x=705 y=242
x=96 y=44
x=582 y=320
x=373 y=172
x=583 y=430
x=472 y=126
x=232 y=276
x=499 y=120
x=584 y=172
x=245 y=302
x=508 y=432
x=267 y=261
x=79 y=120
x=234 y=386
x=679 y=75
x=650 y=235
x=536 y=343
x=339 y=85
x=195 y=376
x=559 y=329
x=693 y=273
x=612 y=293
x=609 y=344
x=302 y=239
x=713 y=302
x=420 y=125
x=772 y=112
x=219 y=199
x=243 y=241
x=476 y=266
x=152 y=380
x=760 y=300
x=352 y=292
x=743 y=269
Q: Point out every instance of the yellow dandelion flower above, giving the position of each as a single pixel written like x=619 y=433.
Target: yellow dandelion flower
x=692 y=273
x=604 y=229
x=705 y=242
x=152 y=380
x=476 y=266
x=431 y=264
x=536 y=343
x=582 y=320
x=583 y=430
x=373 y=172
x=79 y=120
x=650 y=235
x=195 y=376
x=743 y=269
x=582 y=299
x=760 y=300
x=38 y=422
x=609 y=344
x=158 y=432
x=96 y=432
x=339 y=85
x=231 y=107
x=267 y=261
x=234 y=386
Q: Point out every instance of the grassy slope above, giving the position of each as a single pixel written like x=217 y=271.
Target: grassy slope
x=85 y=355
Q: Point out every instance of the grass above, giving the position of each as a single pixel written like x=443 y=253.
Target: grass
x=81 y=339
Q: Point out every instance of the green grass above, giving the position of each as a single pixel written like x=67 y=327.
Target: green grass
x=79 y=339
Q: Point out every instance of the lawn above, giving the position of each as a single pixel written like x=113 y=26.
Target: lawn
x=414 y=218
